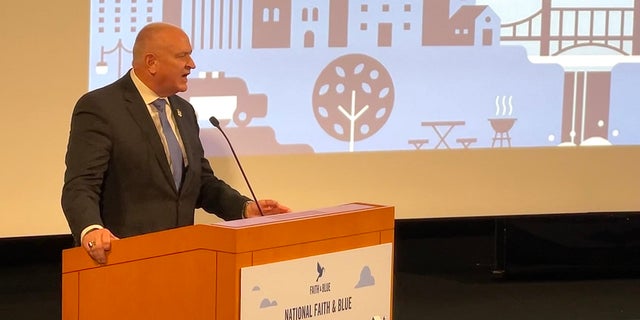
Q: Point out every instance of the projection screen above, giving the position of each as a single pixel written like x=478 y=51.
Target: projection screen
x=441 y=108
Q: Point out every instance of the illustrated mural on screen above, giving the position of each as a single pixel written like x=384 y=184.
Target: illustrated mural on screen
x=287 y=77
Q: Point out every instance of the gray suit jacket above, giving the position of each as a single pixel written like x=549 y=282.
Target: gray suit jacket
x=117 y=172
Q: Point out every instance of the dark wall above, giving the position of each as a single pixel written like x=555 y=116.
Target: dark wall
x=601 y=245
x=549 y=246
x=566 y=245
x=30 y=276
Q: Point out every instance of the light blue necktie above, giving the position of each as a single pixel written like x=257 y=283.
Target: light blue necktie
x=175 y=153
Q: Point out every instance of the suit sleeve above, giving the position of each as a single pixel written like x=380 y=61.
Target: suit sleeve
x=215 y=195
x=87 y=158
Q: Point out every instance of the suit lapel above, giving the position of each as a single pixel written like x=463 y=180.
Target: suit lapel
x=139 y=112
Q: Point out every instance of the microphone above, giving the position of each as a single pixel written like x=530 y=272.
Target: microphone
x=216 y=124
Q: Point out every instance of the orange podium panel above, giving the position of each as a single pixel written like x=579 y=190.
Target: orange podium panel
x=194 y=272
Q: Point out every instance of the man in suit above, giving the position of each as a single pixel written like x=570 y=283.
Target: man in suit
x=135 y=163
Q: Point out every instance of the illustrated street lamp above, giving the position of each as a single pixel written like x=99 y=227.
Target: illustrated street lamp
x=102 y=67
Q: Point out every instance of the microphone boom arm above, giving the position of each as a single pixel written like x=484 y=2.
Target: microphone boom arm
x=216 y=124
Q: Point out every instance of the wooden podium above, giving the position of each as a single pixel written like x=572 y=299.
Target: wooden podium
x=194 y=272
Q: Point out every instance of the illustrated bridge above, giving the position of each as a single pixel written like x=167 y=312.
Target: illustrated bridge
x=560 y=29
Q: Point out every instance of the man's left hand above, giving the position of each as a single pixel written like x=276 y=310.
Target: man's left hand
x=268 y=207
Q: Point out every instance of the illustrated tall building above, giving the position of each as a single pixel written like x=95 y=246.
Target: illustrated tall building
x=212 y=24
x=118 y=18
x=435 y=15
x=338 y=19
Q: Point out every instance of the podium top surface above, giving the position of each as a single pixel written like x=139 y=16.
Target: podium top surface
x=276 y=218
x=244 y=235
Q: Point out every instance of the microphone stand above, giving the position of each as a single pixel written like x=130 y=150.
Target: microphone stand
x=216 y=124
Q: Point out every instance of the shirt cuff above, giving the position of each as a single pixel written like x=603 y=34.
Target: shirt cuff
x=89 y=228
x=244 y=209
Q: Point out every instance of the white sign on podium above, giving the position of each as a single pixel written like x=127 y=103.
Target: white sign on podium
x=351 y=284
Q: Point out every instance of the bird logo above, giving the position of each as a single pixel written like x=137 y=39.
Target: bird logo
x=320 y=271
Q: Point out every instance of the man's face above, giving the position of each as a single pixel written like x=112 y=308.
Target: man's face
x=173 y=63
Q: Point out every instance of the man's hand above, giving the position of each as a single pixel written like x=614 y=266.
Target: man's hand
x=97 y=243
x=268 y=207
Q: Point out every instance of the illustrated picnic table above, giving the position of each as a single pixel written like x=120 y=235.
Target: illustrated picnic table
x=446 y=127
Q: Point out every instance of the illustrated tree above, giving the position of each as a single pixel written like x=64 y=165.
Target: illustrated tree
x=353 y=97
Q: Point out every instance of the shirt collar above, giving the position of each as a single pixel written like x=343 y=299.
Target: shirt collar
x=147 y=94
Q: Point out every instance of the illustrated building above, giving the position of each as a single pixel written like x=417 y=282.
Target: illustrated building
x=311 y=17
x=385 y=23
x=453 y=22
x=271 y=27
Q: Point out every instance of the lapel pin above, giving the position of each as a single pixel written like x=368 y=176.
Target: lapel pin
x=179 y=113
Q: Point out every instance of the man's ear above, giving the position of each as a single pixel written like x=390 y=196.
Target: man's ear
x=151 y=62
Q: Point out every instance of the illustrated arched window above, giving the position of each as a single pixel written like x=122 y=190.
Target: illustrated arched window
x=265 y=15
x=276 y=15
x=315 y=14
x=305 y=14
